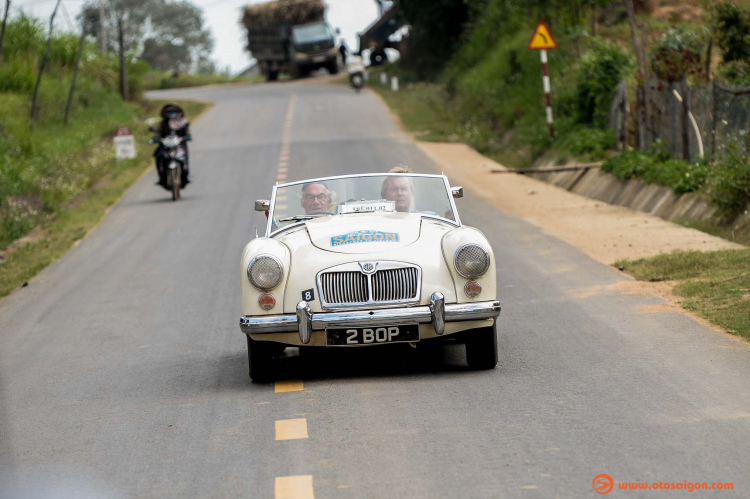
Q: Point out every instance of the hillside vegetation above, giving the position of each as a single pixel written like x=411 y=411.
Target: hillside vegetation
x=61 y=178
x=486 y=87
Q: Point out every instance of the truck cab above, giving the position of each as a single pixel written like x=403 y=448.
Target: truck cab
x=312 y=46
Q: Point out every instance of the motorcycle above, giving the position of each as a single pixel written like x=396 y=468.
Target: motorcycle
x=356 y=70
x=173 y=157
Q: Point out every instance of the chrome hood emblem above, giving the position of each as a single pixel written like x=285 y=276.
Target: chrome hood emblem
x=368 y=267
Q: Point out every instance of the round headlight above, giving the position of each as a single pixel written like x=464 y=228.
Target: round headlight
x=265 y=272
x=472 y=261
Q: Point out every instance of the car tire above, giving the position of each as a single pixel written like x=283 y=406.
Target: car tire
x=260 y=357
x=481 y=348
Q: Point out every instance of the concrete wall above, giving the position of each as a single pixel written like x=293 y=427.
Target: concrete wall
x=649 y=198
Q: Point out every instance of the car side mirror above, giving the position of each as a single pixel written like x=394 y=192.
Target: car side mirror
x=457 y=192
x=262 y=205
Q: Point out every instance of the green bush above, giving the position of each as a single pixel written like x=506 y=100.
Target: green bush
x=628 y=164
x=732 y=30
x=737 y=72
x=729 y=185
x=24 y=37
x=17 y=76
x=657 y=167
x=677 y=53
x=587 y=142
x=599 y=73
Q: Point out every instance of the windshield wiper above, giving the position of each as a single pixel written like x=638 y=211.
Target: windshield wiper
x=296 y=218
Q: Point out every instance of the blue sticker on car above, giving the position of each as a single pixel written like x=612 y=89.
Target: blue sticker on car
x=364 y=236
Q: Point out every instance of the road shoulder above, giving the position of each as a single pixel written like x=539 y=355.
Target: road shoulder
x=605 y=232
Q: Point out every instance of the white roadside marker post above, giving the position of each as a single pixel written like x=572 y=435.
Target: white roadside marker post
x=394 y=83
x=547 y=93
x=383 y=79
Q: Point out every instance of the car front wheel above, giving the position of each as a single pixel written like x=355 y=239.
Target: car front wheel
x=481 y=348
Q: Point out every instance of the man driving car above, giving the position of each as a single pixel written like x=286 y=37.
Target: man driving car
x=315 y=196
x=399 y=189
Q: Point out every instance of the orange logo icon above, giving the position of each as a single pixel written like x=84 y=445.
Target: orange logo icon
x=603 y=484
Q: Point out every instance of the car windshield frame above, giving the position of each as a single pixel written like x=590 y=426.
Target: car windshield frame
x=269 y=222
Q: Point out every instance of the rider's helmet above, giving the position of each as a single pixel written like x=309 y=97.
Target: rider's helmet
x=172 y=111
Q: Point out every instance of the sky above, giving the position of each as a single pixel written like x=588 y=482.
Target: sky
x=223 y=19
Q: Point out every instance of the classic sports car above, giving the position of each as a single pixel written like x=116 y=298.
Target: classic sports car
x=361 y=260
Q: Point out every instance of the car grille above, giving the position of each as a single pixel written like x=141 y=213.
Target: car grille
x=388 y=285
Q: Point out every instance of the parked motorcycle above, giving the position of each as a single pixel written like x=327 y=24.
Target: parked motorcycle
x=356 y=70
x=171 y=161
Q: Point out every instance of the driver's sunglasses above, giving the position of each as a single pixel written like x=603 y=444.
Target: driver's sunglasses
x=320 y=197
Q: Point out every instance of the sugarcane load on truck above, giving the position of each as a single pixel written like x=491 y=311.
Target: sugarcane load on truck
x=290 y=36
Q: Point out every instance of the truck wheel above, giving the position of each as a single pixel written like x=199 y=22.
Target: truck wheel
x=333 y=68
x=260 y=359
x=272 y=75
x=481 y=348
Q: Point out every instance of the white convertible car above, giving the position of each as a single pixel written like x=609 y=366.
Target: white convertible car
x=363 y=260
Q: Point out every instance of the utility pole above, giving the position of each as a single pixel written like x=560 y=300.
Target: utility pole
x=102 y=28
x=5 y=21
x=123 y=69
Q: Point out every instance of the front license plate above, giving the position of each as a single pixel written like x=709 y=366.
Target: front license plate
x=319 y=58
x=370 y=335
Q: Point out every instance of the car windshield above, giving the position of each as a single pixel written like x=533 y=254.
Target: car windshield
x=311 y=33
x=349 y=196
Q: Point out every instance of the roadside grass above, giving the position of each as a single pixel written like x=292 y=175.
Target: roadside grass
x=714 y=285
x=160 y=80
x=76 y=217
x=420 y=109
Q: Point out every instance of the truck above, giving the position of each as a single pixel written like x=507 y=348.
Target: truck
x=290 y=36
x=377 y=36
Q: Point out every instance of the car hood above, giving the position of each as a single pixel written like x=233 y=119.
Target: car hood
x=364 y=232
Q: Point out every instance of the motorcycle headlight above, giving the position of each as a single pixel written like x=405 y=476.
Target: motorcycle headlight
x=171 y=141
x=472 y=260
x=265 y=272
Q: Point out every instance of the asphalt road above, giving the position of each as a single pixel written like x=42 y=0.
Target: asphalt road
x=123 y=372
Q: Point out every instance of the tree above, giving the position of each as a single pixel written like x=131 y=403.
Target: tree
x=5 y=23
x=436 y=29
x=732 y=31
x=177 y=40
x=169 y=35
x=42 y=66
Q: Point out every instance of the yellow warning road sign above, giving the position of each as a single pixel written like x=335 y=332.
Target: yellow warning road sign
x=542 y=38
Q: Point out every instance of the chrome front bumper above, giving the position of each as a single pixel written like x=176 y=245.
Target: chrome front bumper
x=305 y=321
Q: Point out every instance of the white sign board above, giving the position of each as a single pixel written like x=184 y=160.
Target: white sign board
x=124 y=144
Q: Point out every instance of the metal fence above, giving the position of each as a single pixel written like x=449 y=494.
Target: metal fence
x=709 y=116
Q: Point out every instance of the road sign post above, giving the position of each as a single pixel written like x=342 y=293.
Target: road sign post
x=542 y=41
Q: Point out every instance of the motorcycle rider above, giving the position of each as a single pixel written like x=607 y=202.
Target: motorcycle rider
x=173 y=121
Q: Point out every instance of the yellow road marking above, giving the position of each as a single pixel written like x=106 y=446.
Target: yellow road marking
x=293 y=487
x=283 y=164
x=289 y=385
x=291 y=429
x=282 y=168
x=284 y=157
x=281 y=207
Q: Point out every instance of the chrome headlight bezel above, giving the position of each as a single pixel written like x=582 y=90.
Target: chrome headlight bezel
x=468 y=273
x=265 y=286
